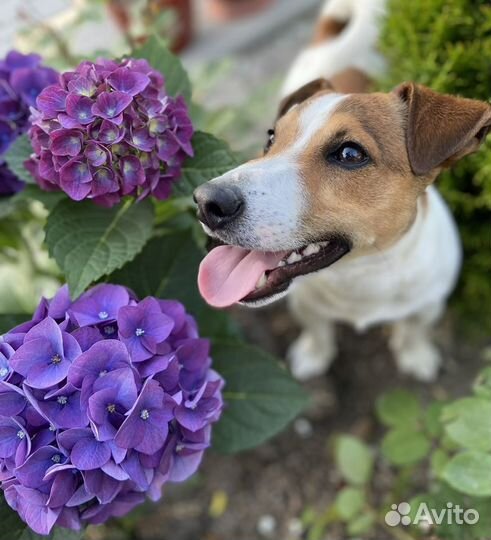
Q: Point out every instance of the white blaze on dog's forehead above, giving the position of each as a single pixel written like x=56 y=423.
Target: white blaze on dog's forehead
x=315 y=116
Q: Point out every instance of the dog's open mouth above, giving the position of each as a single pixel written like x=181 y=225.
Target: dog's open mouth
x=231 y=274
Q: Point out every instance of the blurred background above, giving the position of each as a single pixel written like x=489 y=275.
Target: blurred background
x=237 y=53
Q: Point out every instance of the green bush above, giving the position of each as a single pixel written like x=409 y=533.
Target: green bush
x=446 y=45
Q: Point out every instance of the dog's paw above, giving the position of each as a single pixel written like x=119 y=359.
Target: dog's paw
x=421 y=360
x=308 y=358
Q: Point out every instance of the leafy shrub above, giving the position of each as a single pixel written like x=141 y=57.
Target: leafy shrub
x=446 y=45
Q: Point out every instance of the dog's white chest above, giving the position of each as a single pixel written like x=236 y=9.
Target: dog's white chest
x=421 y=269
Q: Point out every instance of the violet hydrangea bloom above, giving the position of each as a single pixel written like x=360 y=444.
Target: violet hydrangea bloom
x=93 y=421
x=22 y=77
x=108 y=130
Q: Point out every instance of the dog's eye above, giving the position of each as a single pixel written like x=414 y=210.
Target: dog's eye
x=349 y=155
x=270 y=141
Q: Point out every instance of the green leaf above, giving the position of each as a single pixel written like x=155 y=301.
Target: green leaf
x=48 y=198
x=212 y=158
x=349 y=502
x=158 y=55
x=168 y=268
x=8 y=321
x=362 y=524
x=19 y=152
x=398 y=408
x=261 y=397
x=468 y=423
x=7 y=206
x=89 y=242
x=432 y=418
x=469 y=472
x=482 y=384
x=438 y=460
x=354 y=459
x=405 y=446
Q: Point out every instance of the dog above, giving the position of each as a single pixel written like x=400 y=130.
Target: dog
x=341 y=210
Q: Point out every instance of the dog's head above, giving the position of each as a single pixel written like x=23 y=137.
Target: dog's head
x=340 y=173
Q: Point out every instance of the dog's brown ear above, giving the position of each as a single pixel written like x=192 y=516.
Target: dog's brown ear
x=440 y=128
x=303 y=93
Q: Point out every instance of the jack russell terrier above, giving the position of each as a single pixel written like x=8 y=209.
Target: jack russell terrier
x=341 y=211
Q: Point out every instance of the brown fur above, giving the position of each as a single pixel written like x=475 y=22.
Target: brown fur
x=302 y=94
x=409 y=135
x=351 y=81
x=328 y=28
x=441 y=129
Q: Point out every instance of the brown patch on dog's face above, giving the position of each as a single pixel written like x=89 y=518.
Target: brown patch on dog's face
x=375 y=203
x=328 y=28
x=372 y=205
x=351 y=80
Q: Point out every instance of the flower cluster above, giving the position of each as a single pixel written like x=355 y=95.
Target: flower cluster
x=108 y=130
x=102 y=401
x=21 y=80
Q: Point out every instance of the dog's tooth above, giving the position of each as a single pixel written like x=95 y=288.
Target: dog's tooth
x=280 y=264
x=294 y=257
x=261 y=282
x=311 y=249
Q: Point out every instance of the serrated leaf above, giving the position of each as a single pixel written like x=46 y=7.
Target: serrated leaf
x=405 y=446
x=89 y=242
x=349 y=502
x=158 y=55
x=168 y=268
x=212 y=158
x=20 y=151
x=398 y=408
x=468 y=423
x=470 y=473
x=261 y=397
x=354 y=459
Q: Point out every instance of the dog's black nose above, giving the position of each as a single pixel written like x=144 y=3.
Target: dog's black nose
x=218 y=205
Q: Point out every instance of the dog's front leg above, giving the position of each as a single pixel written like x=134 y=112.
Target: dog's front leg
x=313 y=351
x=412 y=345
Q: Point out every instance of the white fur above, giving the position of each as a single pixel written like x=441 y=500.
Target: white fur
x=354 y=48
x=273 y=191
x=406 y=284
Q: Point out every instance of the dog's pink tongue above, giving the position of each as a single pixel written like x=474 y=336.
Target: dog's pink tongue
x=229 y=273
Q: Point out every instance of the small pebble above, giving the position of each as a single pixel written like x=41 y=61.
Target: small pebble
x=266 y=525
x=295 y=528
x=303 y=428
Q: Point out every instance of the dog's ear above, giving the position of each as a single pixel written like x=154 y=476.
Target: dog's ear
x=440 y=128
x=303 y=93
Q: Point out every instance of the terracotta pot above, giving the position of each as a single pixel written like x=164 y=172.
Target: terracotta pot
x=225 y=10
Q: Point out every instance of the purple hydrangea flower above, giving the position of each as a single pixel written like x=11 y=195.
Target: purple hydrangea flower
x=107 y=130
x=91 y=421
x=22 y=77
